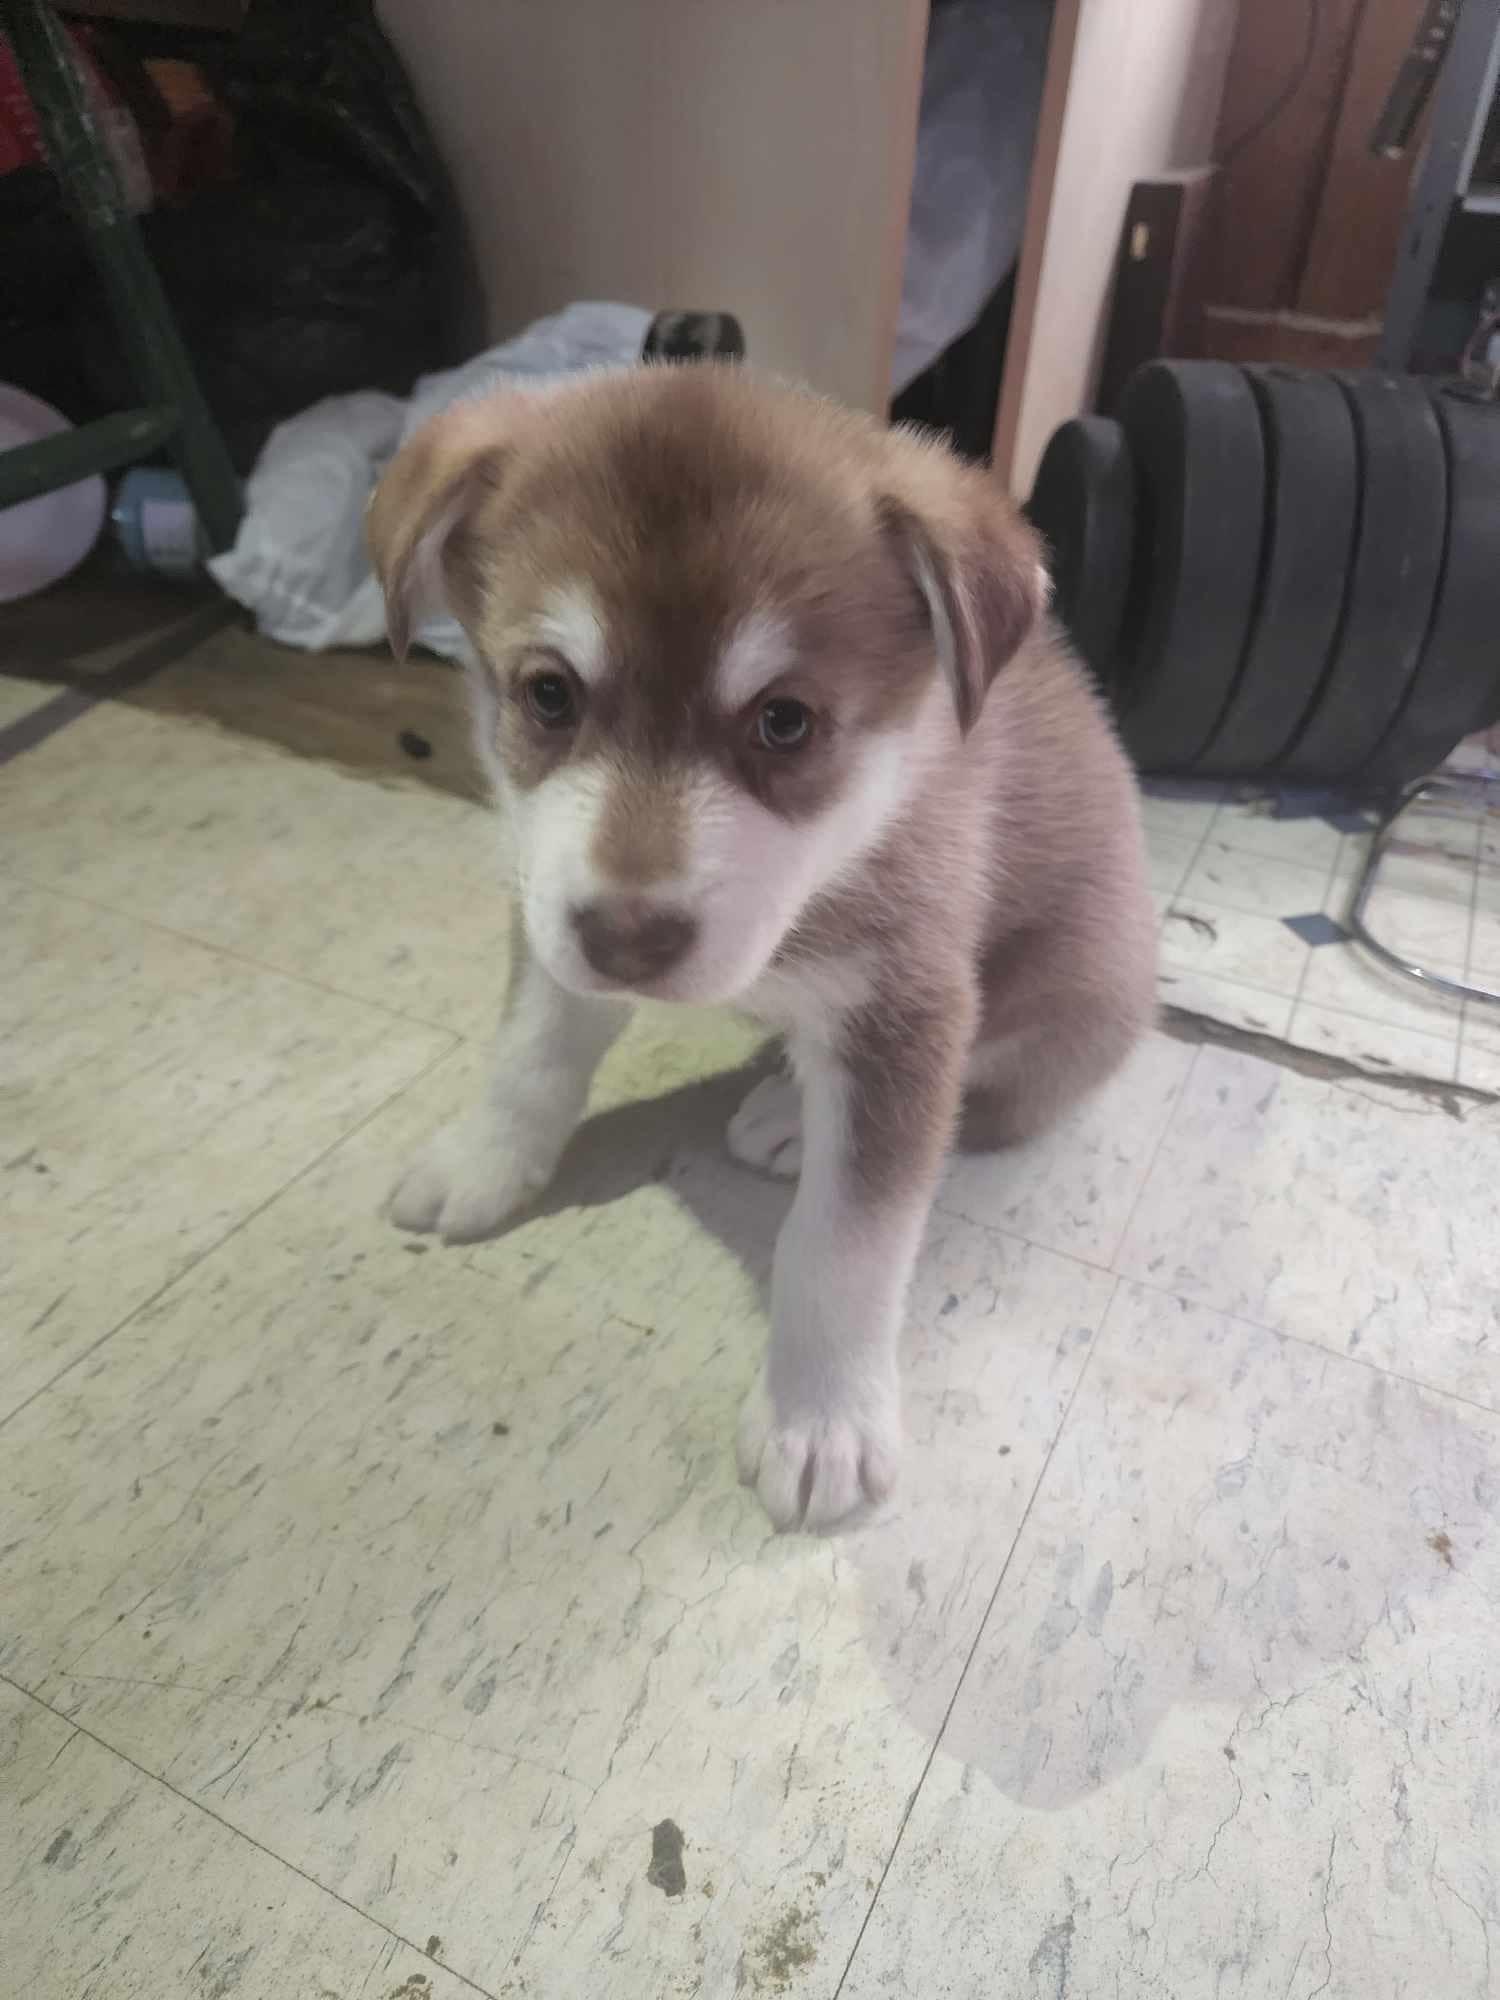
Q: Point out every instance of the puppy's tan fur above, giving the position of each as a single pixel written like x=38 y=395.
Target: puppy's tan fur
x=942 y=890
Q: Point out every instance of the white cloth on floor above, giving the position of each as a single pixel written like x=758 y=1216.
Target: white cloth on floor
x=981 y=94
x=300 y=562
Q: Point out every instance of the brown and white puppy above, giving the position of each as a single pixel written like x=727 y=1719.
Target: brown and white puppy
x=736 y=650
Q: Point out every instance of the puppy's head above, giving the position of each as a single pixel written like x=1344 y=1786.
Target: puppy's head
x=725 y=631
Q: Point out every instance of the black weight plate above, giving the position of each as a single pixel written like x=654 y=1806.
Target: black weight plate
x=1311 y=501
x=1456 y=687
x=1200 y=496
x=1398 y=557
x=1083 y=506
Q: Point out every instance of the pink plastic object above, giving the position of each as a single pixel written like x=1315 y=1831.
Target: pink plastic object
x=42 y=539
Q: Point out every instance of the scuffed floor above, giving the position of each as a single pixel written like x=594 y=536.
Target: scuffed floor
x=379 y=1620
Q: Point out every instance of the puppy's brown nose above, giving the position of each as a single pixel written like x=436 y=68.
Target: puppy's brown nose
x=632 y=941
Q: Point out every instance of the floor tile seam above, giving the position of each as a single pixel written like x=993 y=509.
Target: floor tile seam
x=196 y=1262
x=1156 y=1152
x=41 y=887
x=1312 y=1346
x=237 y=1832
x=1307 y=951
x=979 y=1632
x=289 y=1709
x=1438 y=1034
x=1176 y=964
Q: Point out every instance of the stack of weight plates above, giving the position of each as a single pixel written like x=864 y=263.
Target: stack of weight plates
x=1283 y=575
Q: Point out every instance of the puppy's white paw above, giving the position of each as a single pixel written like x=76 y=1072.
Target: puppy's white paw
x=469 y=1177
x=814 y=1468
x=766 y=1131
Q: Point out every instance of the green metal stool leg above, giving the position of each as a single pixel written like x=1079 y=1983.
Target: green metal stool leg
x=153 y=346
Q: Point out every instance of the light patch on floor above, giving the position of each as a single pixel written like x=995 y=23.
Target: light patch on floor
x=385 y=1622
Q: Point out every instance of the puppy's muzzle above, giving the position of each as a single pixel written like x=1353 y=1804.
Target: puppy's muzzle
x=631 y=941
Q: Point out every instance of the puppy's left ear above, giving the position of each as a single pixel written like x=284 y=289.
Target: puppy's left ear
x=979 y=569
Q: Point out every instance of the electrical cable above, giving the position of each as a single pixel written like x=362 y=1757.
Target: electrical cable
x=1287 y=92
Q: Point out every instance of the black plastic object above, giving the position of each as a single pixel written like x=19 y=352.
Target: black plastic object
x=321 y=267
x=1456 y=688
x=1392 y=580
x=1200 y=469
x=694 y=336
x=958 y=395
x=1083 y=506
x=1311 y=503
x=286 y=301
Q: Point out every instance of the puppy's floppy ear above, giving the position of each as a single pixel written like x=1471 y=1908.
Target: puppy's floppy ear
x=979 y=569
x=429 y=488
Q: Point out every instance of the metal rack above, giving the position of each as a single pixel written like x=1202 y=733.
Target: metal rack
x=173 y=414
x=1460 y=107
x=1461 y=103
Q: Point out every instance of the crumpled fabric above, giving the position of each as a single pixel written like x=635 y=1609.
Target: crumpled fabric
x=981 y=96
x=300 y=562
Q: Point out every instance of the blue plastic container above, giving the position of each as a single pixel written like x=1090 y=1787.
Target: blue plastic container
x=156 y=523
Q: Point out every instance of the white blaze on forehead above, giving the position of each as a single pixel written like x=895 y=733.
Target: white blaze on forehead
x=757 y=652
x=570 y=624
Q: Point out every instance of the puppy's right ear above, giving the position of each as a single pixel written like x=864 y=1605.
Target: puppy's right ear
x=431 y=486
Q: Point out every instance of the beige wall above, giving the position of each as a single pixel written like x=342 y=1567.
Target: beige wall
x=752 y=156
x=1133 y=89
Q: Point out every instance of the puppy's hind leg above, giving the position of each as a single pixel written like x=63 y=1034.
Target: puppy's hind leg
x=1018 y=1086
x=493 y=1159
x=1037 y=1061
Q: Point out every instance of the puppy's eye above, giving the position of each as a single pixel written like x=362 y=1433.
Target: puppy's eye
x=783 y=725
x=550 y=698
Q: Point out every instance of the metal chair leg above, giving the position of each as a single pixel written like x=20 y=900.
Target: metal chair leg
x=147 y=329
x=1471 y=787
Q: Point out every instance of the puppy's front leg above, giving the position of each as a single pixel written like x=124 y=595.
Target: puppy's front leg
x=822 y=1433
x=492 y=1160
